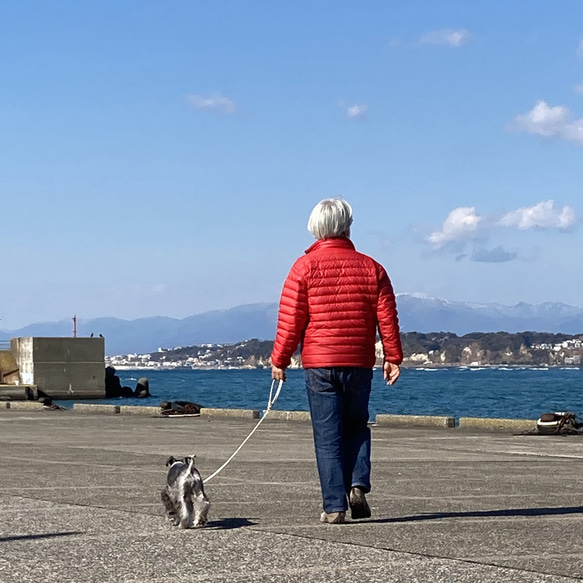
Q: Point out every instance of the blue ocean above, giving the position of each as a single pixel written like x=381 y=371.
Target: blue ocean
x=517 y=393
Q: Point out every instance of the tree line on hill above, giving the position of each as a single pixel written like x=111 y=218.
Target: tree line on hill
x=495 y=348
x=439 y=348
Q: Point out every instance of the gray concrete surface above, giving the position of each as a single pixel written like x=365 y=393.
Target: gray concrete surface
x=79 y=502
x=62 y=368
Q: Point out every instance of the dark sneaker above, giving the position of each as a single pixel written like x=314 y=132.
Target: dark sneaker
x=333 y=517
x=359 y=507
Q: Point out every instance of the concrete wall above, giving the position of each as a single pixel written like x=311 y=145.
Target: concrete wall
x=63 y=368
x=9 y=373
x=21 y=349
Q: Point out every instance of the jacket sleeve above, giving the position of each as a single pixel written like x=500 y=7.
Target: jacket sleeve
x=292 y=318
x=387 y=318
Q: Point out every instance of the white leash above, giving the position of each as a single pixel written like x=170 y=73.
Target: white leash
x=271 y=402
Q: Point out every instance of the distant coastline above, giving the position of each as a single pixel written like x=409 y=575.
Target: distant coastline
x=409 y=366
x=434 y=350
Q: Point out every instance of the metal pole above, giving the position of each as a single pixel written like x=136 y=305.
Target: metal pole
x=75 y=326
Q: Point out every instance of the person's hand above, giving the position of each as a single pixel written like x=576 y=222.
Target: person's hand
x=277 y=374
x=391 y=372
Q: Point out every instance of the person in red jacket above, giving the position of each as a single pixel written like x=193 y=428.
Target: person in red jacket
x=333 y=301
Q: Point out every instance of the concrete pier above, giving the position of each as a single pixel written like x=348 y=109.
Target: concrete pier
x=80 y=503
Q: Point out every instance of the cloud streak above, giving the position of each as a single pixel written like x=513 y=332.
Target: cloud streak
x=549 y=122
x=495 y=255
x=454 y=38
x=215 y=103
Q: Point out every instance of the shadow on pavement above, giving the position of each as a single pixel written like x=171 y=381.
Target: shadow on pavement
x=483 y=514
x=7 y=539
x=230 y=523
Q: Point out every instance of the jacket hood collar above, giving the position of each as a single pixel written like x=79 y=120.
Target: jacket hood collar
x=331 y=243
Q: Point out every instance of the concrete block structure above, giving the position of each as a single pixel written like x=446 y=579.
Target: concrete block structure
x=62 y=368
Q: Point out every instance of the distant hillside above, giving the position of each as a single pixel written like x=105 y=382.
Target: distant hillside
x=432 y=349
x=430 y=314
x=416 y=314
x=148 y=334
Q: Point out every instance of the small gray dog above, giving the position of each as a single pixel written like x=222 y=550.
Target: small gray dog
x=186 y=503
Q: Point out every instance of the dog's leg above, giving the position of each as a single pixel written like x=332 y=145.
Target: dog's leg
x=176 y=515
x=186 y=512
x=168 y=505
x=201 y=502
x=201 y=509
x=185 y=500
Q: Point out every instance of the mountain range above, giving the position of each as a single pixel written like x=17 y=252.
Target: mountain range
x=416 y=314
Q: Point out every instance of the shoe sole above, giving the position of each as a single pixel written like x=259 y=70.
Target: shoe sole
x=359 y=507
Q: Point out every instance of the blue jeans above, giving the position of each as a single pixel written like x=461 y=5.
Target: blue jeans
x=338 y=399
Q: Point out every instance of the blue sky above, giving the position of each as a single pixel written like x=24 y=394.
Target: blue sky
x=162 y=158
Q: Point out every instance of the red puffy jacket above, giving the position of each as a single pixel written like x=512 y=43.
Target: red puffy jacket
x=333 y=300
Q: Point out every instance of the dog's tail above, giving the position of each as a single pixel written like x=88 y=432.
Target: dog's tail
x=195 y=474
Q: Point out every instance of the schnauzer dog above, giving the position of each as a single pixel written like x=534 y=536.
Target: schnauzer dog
x=186 y=503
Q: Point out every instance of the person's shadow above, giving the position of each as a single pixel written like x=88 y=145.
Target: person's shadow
x=561 y=510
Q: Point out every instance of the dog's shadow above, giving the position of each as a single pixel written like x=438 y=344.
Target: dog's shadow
x=229 y=523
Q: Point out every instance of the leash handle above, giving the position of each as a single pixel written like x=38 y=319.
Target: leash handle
x=272 y=398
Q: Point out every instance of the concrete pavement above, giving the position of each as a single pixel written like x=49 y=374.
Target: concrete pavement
x=79 y=502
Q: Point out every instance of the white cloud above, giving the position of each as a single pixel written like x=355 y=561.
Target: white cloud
x=578 y=89
x=546 y=121
x=357 y=111
x=543 y=120
x=543 y=215
x=448 y=37
x=579 y=49
x=215 y=102
x=574 y=131
x=460 y=225
x=465 y=233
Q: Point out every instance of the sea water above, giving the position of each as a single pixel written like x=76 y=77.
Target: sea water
x=517 y=393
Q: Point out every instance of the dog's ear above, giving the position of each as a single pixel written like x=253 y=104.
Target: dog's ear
x=170 y=461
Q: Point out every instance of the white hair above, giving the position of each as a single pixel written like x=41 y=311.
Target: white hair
x=331 y=217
